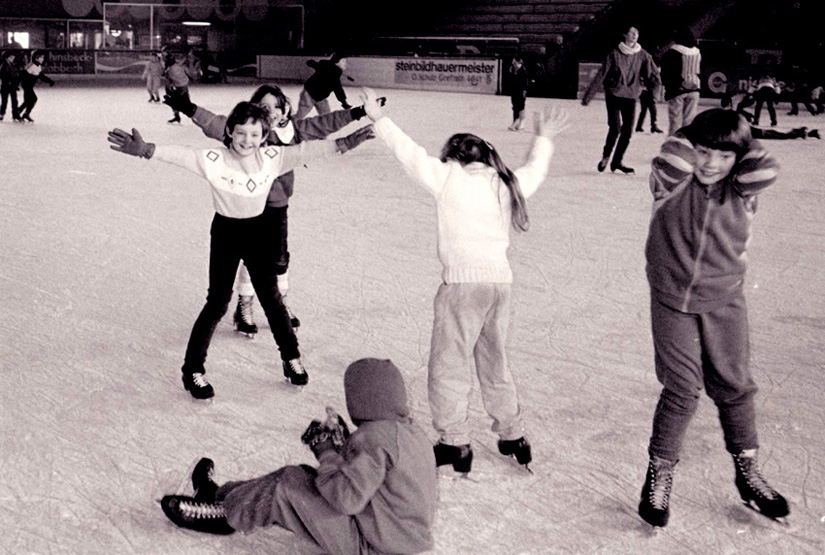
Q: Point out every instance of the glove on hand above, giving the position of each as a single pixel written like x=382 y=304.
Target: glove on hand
x=355 y=138
x=180 y=103
x=331 y=434
x=130 y=144
x=359 y=111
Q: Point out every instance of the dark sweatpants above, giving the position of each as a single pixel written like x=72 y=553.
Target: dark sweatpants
x=234 y=240
x=621 y=113
x=288 y=498
x=695 y=350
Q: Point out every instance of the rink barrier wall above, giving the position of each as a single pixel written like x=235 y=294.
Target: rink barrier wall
x=469 y=75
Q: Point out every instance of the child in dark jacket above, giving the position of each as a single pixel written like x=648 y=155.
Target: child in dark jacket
x=374 y=492
x=9 y=83
x=325 y=81
x=705 y=185
x=28 y=79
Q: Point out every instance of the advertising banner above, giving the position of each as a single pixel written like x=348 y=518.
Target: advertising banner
x=435 y=74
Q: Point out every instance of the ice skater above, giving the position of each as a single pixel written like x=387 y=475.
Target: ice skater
x=680 y=77
x=647 y=103
x=28 y=79
x=325 y=81
x=627 y=69
x=374 y=491
x=177 y=82
x=766 y=94
x=705 y=184
x=478 y=199
x=153 y=75
x=9 y=83
x=239 y=230
x=518 y=93
x=284 y=130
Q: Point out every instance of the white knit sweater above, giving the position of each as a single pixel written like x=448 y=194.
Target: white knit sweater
x=472 y=203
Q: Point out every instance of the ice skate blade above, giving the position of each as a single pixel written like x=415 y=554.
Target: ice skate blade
x=248 y=335
x=783 y=520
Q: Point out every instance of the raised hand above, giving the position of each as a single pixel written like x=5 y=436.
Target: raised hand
x=372 y=104
x=132 y=144
x=551 y=122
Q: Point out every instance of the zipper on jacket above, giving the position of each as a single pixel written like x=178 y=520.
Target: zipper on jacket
x=703 y=241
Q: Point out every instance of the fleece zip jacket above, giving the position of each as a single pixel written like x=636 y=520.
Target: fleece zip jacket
x=697 y=243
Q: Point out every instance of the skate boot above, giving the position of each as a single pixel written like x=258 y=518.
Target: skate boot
x=186 y=512
x=294 y=371
x=655 y=129
x=198 y=386
x=814 y=133
x=755 y=490
x=654 y=508
x=203 y=481
x=517 y=448
x=602 y=164
x=243 y=316
x=622 y=168
x=460 y=456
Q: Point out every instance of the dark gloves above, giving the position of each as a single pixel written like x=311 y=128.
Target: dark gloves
x=180 y=103
x=130 y=144
x=330 y=434
x=359 y=112
x=355 y=138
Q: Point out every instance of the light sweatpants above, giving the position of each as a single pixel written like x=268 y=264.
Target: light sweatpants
x=288 y=498
x=681 y=110
x=471 y=321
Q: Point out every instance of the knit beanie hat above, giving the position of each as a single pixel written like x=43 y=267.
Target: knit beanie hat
x=375 y=390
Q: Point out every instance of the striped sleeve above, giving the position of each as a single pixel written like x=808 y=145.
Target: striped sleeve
x=672 y=166
x=756 y=171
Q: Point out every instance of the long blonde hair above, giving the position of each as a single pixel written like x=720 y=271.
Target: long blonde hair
x=466 y=148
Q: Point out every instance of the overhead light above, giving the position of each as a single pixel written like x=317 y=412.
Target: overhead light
x=197 y=23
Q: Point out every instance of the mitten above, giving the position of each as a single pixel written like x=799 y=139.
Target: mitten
x=359 y=111
x=330 y=434
x=354 y=139
x=130 y=144
x=180 y=103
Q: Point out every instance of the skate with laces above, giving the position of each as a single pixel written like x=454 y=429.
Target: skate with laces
x=244 y=323
x=755 y=491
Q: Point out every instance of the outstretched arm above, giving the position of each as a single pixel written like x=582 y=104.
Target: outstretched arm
x=548 y=124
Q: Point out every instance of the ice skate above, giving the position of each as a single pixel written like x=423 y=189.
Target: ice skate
x=294 y=371
x=203 y=481
x=459 y=456
x=622 y=168
x=198 y=386
x=755 y=491
x=175 y=119
x=519 y=449
x=186 y=512
x=654 y=507
x=655 y=129
x=243 y=317
x=602 y=164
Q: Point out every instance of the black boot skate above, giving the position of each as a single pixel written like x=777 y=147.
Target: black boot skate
x=460 y=456
x=517 y=448
x=198 y=386
x=294 y=371
x=654 y=508
x=755 y=490
x=186 y=512
x=203 y=481
x=243 y=316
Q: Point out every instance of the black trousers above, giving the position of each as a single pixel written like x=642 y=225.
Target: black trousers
x=233 y=240
x=621 y=112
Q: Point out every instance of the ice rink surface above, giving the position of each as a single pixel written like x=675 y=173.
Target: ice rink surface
x=104 y=269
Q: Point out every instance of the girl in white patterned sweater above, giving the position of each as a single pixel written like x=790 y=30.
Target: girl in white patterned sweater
x=240 y=177
x=477 y=199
